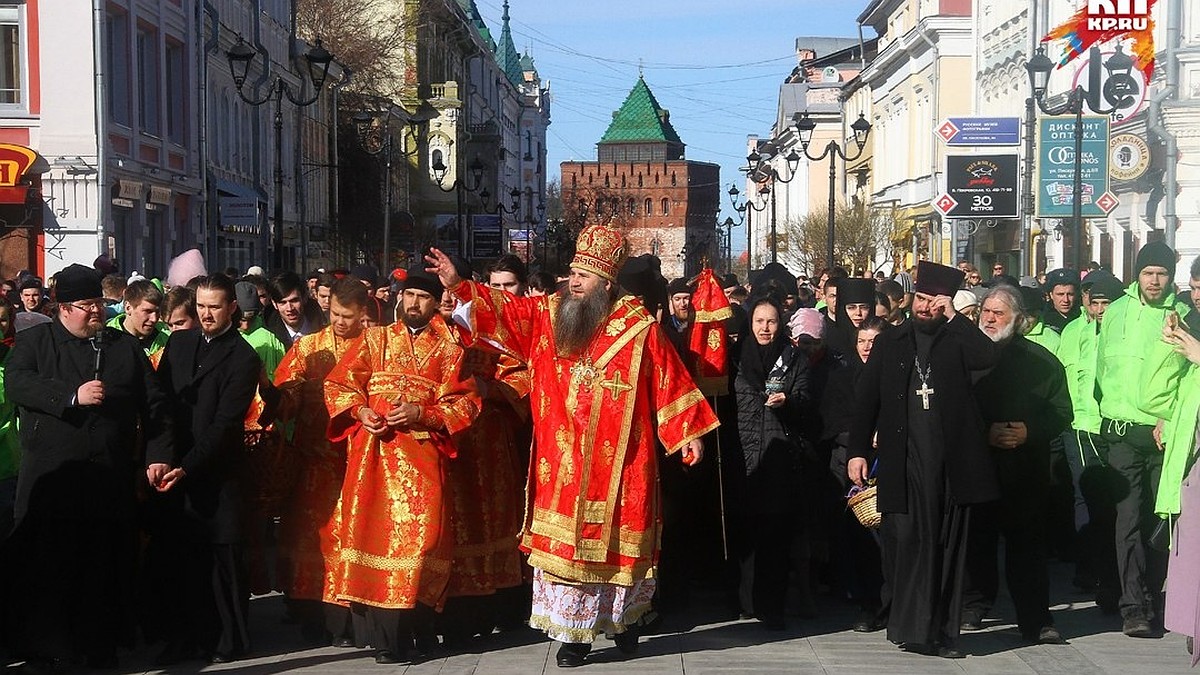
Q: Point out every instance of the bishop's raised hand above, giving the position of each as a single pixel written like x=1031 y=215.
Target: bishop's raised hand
x=440 y=264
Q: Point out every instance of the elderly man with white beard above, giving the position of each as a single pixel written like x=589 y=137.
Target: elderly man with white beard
x=1025 y=404
x=605 y=385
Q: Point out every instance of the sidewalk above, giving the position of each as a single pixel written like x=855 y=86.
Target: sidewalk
x=822 y=645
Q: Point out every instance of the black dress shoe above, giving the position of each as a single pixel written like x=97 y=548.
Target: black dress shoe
x=102 y=662
x=1049 y=635
x=384 y=657
x=572 y=655
x=1137 y=627
x=218 y=658
x=175 y=653
x=970 y=624
x=344 y=642
x=950 y=652
x=922 y=648
x=867 y=622
x=627 y=642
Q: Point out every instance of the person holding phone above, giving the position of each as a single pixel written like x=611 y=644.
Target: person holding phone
x=1129 y=350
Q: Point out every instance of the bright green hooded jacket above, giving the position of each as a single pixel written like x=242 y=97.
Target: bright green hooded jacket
x=159 y=340
x=1043 y=336
x=1130 y=350
x=1077 y=352
x=10 y=445
x=1179 y=432
x=268 y=347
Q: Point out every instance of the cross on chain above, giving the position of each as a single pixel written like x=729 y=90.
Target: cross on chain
x=924 y=392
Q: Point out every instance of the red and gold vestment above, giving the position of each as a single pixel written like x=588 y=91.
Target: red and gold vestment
x=594 y=514
x=309 y=551
x=393 y=529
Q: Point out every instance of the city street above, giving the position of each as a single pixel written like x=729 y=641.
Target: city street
x=821 y=645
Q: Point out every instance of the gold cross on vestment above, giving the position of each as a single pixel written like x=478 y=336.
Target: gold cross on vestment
x=616 y=386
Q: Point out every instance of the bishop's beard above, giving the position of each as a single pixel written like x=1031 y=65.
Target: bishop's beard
x=578 y=318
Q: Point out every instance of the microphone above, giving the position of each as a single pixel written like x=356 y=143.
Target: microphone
x=98 y=346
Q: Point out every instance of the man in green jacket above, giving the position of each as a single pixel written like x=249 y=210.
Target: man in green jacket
x=140 y=318
x=1130 y=349
x=1077 y=352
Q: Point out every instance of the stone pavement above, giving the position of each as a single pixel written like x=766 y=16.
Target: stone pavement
x=700 y=642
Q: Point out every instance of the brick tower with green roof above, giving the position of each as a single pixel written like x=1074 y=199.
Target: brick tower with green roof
x=641 y=182
x=640 y=130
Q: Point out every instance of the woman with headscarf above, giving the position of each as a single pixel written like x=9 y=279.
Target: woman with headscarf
x=856 y=557
x=856 y=302
x=771 y=387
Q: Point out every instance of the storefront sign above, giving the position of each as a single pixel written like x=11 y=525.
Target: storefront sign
x=982 y=186
x=1056 y=166
x=130 y=189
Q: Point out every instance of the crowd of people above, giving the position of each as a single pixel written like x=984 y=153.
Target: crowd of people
x=420 y=458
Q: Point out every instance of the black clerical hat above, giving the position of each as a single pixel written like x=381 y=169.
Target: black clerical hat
x=76 y=282
x=855 y=290
x=777 y=273
x=935 y=279
x=419 y=279
x=680 y=285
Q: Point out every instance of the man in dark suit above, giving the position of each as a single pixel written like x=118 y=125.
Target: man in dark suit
x=296 y=312
x=210 y=375
x=933 y=460
x=81 y=391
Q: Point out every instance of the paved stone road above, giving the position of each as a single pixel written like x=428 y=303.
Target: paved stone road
x=813 y=646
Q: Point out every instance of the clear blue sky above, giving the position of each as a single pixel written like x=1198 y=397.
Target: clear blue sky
x=715 y=64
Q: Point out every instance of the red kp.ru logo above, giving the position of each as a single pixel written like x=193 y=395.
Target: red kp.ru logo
x=1099 y=21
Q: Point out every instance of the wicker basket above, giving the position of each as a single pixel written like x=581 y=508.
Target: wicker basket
x=862 y=503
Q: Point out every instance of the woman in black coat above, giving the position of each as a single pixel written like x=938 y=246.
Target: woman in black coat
x=771 y=388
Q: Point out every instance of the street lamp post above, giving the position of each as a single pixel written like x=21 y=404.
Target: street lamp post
x=760 y=164
x=805 y=126
x=439 y=168
x=745 y=211
x=376 y=141
x=240 y=58
x=1117 y=91
x=729 y=224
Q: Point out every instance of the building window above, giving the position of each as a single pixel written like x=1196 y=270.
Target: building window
x=649 y=206
x=12 y=59
x=119 y=75
x=176 y=93
x=148 y=81
x=632 y=207
x=673 y=183
x=666 y=206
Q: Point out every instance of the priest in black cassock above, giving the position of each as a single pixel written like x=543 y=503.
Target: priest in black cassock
x=914 y=404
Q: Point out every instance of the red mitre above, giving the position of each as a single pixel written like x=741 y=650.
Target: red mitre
x=600 y=250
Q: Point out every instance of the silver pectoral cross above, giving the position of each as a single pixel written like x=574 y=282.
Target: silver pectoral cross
x=925 y=392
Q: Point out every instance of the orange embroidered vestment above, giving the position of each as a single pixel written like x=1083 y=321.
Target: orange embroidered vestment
x=395 y=544
x=593 y=513
x=309 y=556
x=486 y=478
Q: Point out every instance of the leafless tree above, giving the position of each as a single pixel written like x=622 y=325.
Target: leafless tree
x=375 y=38
x=860 y=234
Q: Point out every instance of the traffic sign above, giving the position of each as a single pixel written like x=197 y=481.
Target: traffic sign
x=983 y=186
x=1056 y=166
x=1107 y=202
x=945 y=204
x=980 y=131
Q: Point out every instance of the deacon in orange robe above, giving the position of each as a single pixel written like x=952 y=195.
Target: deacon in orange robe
x=309 y=553
x=604 y=380
x=397 y=397
x=487 y=485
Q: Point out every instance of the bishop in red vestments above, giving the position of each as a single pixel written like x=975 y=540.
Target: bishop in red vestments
x=605 y=382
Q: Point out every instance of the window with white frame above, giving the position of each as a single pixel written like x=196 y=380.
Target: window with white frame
x=12 y=58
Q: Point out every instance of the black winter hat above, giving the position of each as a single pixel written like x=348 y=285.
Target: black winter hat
x=1156 y=254
x=76 y=282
